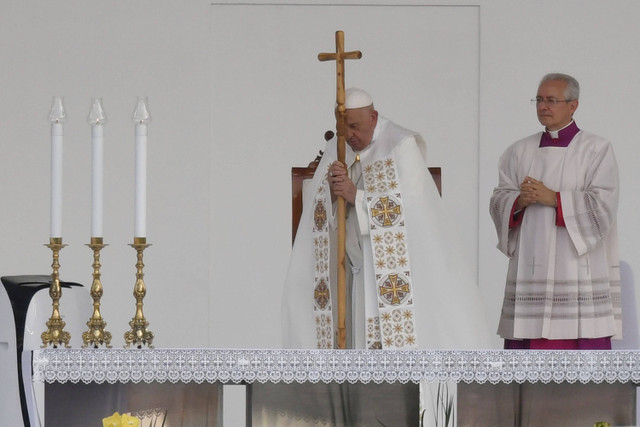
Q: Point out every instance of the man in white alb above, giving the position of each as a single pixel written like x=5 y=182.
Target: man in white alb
x=408 y=290
x=555 y=213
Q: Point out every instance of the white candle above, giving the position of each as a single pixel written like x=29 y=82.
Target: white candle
x=56 y=179
x=97 y=118
x=97 y=168
x=140 y=225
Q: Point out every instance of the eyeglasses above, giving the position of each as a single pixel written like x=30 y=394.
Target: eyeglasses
x=549 y=102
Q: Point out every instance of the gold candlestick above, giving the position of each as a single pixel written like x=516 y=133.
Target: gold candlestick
x=55 y=333
x=139 y=335
x=97 y=334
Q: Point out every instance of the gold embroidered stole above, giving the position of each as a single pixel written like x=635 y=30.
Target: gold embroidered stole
x=322 y=288
x=392 y=325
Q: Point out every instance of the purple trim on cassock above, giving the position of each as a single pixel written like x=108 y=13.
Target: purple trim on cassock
x=603 y=343
x=564 y=137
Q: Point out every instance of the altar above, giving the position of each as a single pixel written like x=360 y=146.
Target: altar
x=91 y=383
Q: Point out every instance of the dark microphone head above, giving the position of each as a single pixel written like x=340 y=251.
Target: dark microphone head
x=328 y=135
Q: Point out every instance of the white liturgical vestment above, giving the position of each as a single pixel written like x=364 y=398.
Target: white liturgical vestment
x=562 y=282
x=408 y=288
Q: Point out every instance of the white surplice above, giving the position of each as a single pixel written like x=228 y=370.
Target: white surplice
x=418 y=291
x=562 y=282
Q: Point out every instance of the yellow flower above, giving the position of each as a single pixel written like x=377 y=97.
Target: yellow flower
x=114 y=420
x=117 y=420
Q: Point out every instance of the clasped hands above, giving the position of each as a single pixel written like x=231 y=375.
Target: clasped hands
x=340 y=183
x=534 y=191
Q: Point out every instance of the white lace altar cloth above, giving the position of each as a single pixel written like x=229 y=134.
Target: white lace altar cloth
x=248 y=366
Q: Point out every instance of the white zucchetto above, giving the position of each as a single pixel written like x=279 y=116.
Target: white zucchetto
x=357 y=98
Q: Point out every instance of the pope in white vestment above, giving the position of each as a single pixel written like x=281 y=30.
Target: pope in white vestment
x=555 y=213
x=409 y=288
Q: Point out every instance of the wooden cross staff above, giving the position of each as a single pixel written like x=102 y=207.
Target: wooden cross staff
x=339 y=57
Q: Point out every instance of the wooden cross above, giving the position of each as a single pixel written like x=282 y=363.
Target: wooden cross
x=339 y=56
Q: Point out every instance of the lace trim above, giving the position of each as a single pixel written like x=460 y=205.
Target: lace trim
x=248 y=366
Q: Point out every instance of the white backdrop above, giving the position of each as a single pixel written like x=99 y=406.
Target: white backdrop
x=221 y=144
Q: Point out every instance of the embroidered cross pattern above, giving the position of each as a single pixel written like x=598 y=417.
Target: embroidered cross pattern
x=319 y=215
x=394 y=289
x=386 y=211
x=321 y=291
x=391 y=257
x=321 y=294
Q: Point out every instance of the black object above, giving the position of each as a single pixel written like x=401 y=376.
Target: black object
x=20 y=290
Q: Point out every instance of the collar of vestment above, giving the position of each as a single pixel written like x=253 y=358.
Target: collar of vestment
x=560 y=138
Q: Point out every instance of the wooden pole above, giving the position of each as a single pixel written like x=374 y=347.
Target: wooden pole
x=339 y=57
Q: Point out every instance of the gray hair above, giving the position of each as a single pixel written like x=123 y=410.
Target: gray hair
x=572 y=92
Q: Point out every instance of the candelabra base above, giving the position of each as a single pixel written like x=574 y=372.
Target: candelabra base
x=96 y=335
x=139 y=335
x=55 y=335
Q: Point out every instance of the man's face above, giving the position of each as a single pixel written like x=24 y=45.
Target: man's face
x=360 y=124
x=554 y=116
